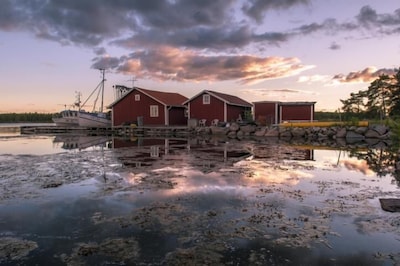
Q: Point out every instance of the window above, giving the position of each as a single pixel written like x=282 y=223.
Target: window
x=206 y=99
x=153 y=110
x=137 y=97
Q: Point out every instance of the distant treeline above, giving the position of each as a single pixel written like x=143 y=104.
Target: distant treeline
x=327 y=116
x=25 y=118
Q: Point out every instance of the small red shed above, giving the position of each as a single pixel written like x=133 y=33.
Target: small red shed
x=274 y=112
x=147 y=107
x=210 y=105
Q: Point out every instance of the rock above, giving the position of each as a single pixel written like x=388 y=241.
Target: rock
x=285 y=134
x=247 y=129
x=298 y=132
x=390 y=205
x=341 y=133
x=234 y=127
x=372 y=134
x=273 y=132
x=231 y=134
x=219 y=130
x=381 y=129
x=353 y=136
x=361 y=130
x=240 y=134
x=387 y=135
x=260 y=132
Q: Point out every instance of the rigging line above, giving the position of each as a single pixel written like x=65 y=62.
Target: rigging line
x=91 y=95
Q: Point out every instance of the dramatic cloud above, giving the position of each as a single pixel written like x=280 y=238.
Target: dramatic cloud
x=206 y=40
x=167 y=63
x=367 y=75
x=256 y=8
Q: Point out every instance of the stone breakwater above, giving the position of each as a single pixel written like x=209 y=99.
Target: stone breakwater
x=349 y=133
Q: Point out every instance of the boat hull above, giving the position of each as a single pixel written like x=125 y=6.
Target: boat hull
x=93 y=120
x=67 y=118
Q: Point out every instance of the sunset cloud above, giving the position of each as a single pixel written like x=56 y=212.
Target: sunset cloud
x=168 y=63
x=367 y=75
x=188 y=40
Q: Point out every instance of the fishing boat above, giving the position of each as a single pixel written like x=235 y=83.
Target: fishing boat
x=69 y=117
x=66 y=118
x=80 y=117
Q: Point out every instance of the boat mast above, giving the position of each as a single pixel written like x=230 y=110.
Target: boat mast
x=102 y=70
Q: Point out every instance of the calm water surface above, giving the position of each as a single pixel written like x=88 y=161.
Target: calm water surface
x=68 y=200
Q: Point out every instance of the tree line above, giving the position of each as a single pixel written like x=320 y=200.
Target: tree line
x=381 y=100
x=25 y=118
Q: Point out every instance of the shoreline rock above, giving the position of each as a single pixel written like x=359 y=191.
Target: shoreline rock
x=348 y=133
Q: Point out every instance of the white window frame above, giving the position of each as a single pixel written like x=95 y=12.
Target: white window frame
x=206 y=99
x=137 y=97
x=154 y=111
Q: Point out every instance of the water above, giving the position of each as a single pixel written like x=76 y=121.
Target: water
x=99 y=201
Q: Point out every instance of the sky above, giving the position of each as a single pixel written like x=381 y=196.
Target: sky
x=259 y=50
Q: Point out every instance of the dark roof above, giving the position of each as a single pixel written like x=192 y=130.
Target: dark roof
x=229 y=99
x=166 y=98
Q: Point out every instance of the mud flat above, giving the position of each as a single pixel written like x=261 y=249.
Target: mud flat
x=208 y=202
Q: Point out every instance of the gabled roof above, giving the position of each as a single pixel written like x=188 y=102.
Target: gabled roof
x=165 y=98
x=229 y=99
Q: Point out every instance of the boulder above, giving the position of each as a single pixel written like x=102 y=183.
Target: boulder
x=247 y=129
x=298 y=132
x=353 y=136
x=381 y=129
x=285 y=134
x=361 y=130
x=218 y=130
x=341 y=133
x=260 y=132
x=273 y=132
x=234 y=127
x=372 y=134
x=231 y=134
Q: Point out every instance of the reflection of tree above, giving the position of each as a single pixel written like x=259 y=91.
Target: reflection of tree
x=382 y=161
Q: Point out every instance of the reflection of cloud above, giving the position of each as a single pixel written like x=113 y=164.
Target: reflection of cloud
x=358 y=165
x=270 y=173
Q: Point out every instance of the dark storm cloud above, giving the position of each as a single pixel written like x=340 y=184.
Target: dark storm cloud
x=188 y=29
x=256 y=9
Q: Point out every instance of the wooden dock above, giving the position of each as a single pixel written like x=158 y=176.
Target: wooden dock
x=119 y=131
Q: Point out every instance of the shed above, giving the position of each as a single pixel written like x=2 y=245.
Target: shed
x=147 y=107
x=209 y=106
x=275 y=112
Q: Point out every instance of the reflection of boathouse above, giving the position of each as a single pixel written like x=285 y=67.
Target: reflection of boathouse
x=277 y=152
x=204 y=155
